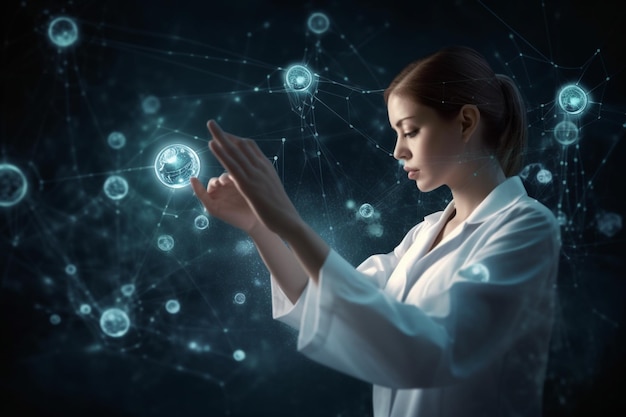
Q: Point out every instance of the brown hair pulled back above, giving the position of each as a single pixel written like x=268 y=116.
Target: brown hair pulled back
x=457 y=75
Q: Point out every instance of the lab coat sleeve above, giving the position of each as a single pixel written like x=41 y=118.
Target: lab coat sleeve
x=350 y=325
x=375 y=269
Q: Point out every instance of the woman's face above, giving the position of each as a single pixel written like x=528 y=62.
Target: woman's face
x=428 y=145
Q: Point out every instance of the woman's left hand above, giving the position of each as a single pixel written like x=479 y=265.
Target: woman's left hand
x=256 y=179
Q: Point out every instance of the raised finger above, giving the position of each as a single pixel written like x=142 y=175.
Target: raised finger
x=197 y=187
x=231 y=144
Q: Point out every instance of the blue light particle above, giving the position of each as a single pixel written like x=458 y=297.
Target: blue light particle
x=544 y=176
x=172 y=306
x=318 y=23
x=298 y=78
x=63 y=31
x=572 y=99
x=366 y=211
x=128 y=289
x=70 y=269
x=176 y=164
x=55 y=319
x=85 y=309
x=239 y=298
x=150 y=105
x=13 y=185
x=609 y=224
x=476 y=272
x=375 y=230
x=116 y=140
x=566 y=133
x=114 y=322
x=239 y=355
x=115 y=187
x=165 y=243
x=201 y=222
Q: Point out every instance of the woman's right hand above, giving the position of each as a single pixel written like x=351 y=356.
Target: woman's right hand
x=224 y=201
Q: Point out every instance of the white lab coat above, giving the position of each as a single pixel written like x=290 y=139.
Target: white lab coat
x=462 y=330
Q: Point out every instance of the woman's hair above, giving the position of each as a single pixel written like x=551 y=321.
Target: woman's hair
x=455 y=76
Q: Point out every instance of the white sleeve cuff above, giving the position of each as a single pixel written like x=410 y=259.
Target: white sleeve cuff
x=283 y=309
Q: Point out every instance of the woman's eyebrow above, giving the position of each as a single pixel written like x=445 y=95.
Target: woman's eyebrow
x=399 y=122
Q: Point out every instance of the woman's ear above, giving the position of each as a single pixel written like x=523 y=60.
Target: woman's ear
x=470 y=118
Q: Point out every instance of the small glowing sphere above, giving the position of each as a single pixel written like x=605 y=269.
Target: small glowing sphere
x=13 y=185
x=561 y=218
x=115 y=187
x=544 y=176
x=172 y=306
x=128 y=289
x=63 y=32
x=566 y=133
x=239 y=298
x=572 y=99
x=114 y=322
x=375 y=230
x=609 y=224
x=165 y=243
x=366 y=211
x=244 y=247
x=85 y=309
x=201 y=222
x=176 y=164
x=150 y=105
x=475 y=272
x=318 y=23
x=55 y=319
x=116 y=140
x=298 y=78
x=239 y=355
x=350 y=204
x=70 y=269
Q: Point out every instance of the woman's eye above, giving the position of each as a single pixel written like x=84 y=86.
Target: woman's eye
x=411 y=134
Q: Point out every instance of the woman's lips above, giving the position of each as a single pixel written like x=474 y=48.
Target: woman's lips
x=412 y=173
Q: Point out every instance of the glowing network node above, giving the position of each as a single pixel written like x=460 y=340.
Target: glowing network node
x=561 y=218
x=172 y=306
x=115 y=187
x=13 y=185
x=572 y=99
x=375 y=230
x=70 y=269
x=176 y=164
x=239 y=355
x=475 y=272
x=55 y=319
x=318 y=23
x=298 y=78
x=544 y=176
x=85 y=309
x=366 y=211
x=116 y=140
x=244 y=247
x=63 y=32
x=526 y=171
x=201 y=222
x=114 y=322
x=128 y=289
x=165 y=243
x=239 y=298
x=150 y=105
x=609 y=224
x=566 y=132
x=350 y=204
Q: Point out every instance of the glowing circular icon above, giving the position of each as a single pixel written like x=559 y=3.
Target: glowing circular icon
x=13 y=185
x=128 y=289
x=55 y=319
x=176 y=164
x=318 y=23
x=85 y=309
x=572 y=99
x=115 y=187
x=172 y=306
x=609 y=224
x=70 y=269
x=165 y=243
x=298 y=78
x=366 y=211
x=114 y=322
x=239 y=298
x=63 y=32
x=544 y=176
x=566 y=132
x=150 y=105
x=116 y=140
x=201 y=222
x=239 y=355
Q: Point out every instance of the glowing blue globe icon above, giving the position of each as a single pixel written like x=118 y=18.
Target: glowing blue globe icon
x=366 y=211
x=63 y=32
x=13 y=185
x=150 y=105
x=572 y=99
x=114 y=322
x=318 y=23
x=201 y=222
x=298 y=78
x=116 y=140
x=115 y=187
x=165 y=243
x=176 y=164
x=566 y=132
x=172 y=306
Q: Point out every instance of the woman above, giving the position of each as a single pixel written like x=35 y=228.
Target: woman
x=456 y=320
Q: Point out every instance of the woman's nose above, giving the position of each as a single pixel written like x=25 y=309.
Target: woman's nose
x=400 y=151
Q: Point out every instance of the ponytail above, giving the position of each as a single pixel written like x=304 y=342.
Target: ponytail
x=513 y=141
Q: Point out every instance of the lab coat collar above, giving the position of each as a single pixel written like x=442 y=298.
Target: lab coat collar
x=501 y=197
